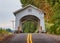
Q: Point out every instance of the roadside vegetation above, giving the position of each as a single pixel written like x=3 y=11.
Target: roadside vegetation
x=4 y=33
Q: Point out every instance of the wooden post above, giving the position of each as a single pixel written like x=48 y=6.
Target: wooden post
x=40 y=29
x=18 y=29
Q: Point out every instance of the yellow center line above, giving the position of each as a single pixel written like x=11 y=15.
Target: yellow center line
x=29 y=38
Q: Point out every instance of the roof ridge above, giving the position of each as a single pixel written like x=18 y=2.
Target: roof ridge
x=26 y=7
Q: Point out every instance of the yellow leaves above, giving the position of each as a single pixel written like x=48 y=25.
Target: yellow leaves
x=43 y=5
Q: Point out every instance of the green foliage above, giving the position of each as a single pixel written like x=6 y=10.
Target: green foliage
x=4 y=31
x=25 y=2
x=53 y=28
x=53 y=2
x=9 y=30
x=29 y=27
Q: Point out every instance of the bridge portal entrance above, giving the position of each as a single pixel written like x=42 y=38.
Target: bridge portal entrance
x=30 y=24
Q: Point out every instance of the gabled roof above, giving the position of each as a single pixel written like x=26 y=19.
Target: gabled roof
x=25 y=8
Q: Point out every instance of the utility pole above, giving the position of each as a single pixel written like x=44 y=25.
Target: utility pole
x=12 y=23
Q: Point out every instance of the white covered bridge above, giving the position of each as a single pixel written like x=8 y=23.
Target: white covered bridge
x=29 y=13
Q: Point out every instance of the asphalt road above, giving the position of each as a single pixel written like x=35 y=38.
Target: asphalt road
x=36 y=38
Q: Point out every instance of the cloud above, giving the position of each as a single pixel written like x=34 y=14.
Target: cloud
x=5 y=24
x=7 y=7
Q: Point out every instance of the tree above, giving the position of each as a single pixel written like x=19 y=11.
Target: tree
x=29 y=27
x=41 y=4
x=4 y=31
x=53 y=2
x=9 y=30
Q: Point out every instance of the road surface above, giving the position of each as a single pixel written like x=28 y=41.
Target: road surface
x=35 y=38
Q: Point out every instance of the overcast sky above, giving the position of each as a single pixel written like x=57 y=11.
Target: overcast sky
x=7 y=7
